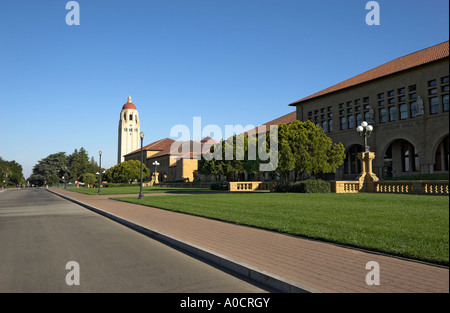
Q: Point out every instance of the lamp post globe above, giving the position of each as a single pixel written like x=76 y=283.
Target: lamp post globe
x=365 y=130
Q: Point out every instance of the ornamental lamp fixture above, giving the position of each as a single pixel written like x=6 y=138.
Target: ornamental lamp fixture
x=156 y=163
x=365 y=130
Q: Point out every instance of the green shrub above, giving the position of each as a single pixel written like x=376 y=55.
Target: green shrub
x=281 y=186
x=307 y=186
x=314 y=186
x=220 y=186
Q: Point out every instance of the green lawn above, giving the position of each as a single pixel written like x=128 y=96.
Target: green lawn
x=135 y=190
x=412 y=226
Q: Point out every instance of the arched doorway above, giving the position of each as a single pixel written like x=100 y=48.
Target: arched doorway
x=441 y=158
x=352 y=166
x=400 y=159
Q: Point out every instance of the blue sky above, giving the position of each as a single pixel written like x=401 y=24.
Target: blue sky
x=229 y=62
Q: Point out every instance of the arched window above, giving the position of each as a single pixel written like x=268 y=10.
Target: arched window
x=441 y=159
x=409 y=157
x=401 y=157
x=352 y=165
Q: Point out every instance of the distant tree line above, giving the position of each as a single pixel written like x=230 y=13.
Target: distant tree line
x=11 y=173
x=74 y=167
x=78 y=167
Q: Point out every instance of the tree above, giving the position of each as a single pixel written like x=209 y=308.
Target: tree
x=78 y=163
x=126 y=172
x=11 y=173
x=88 y=178
x=45 y=170
x=306 y=150
x=93 y=166
x=225 y=158
x=303 y=149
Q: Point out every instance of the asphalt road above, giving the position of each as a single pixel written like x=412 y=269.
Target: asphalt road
x=40 y=233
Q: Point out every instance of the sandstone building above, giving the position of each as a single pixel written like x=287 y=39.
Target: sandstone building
x=405 y=100
x=174 y=164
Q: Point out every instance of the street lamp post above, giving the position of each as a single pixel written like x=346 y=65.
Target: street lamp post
x=367 y=178
x=156 y=163
x=365 y=130
x=100 y=173
x=141 y=194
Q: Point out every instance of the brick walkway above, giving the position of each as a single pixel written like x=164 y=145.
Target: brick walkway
x=303 y=264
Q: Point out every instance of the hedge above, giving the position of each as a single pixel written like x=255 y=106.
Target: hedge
x=220 y=186
x=306 y=186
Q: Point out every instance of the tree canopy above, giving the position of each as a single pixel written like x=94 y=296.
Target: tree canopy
x=306 y=150
x=303 y=149
x=54 y=167
x=126 y=172
x=11 y=173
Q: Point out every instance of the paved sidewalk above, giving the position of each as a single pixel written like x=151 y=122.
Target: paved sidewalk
x=287 y=263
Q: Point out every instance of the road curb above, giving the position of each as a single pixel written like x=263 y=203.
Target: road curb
x=270 y=280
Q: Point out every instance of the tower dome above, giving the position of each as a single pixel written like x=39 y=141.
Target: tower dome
x=129 y=105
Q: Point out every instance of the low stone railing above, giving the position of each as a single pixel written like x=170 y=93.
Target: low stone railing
x=250 y=186
x=419 y=187
x=397 y=187
x=414 y=187
x=345 y=187
x=435 y=187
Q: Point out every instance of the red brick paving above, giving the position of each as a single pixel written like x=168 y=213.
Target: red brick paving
x=320 y=266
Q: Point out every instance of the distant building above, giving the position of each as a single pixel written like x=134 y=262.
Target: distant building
x=178 y=161
x=129 y=130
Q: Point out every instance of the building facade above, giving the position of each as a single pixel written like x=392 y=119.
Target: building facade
x=405 y=100
x=177 y=160
x=129 y=130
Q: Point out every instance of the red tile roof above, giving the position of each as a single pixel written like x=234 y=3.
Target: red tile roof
x=168 y=146
x=195 y=148
x=285 y=119
x=409 y=61
x=159 y=145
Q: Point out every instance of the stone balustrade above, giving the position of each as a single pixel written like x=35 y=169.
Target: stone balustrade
x=345 y=187
x=435 y=187
x=396 y=187
x=250 y=186
x=405 y=187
